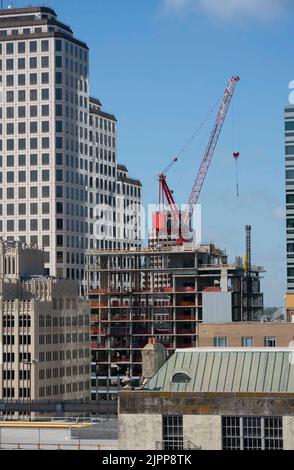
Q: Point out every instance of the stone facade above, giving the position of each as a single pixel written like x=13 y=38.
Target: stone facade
x=235 y=331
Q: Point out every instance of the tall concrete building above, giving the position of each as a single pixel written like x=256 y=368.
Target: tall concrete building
x=289 y=175
x=58 y=148
x=44 y=330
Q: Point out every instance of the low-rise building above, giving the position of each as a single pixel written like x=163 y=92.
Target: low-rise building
x=44 y=330
x=213 y=399
x=246 y=334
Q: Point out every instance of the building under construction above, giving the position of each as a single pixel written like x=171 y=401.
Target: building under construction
x=161 y=293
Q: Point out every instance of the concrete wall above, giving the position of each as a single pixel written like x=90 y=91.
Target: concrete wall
x=234 y=332
x=204 y=431
x=139 y=431
x=288 y=432
x=217 y=307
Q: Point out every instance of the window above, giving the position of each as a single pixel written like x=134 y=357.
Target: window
x=45 y=78
x=21 y=95
x=252 y=433
x=289 y=174
x=10 y=80
x=247 y=341
x=45 y=158
x=21 y=111
x=33 y=46
x=22 y=63
x=33 y=78
x=21 y=79
x=270 y=341
x=45 y=126
x=21 y=47
x=9 y=48
x=33 y=62
x=45 y=62
x=21 y=160
x=33 y=95
x=172 y=432
x=45 y=46
x=45 y=94
x=220 y=341
x=58 y=61
x=33 y=159
x=33 y=127
x=58 y=45
x=9 y=64
x=45 y=110
x=181 y=377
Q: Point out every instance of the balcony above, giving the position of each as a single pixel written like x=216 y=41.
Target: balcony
x=99 y=305
x=98 y=331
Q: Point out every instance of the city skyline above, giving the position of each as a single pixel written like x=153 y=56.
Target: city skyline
x=170 y=37
x=144 y=56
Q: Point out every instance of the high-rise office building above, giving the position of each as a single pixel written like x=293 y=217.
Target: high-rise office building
x=289 y=175
x=58 y=148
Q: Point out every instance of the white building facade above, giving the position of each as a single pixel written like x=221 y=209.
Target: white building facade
x=57 y=147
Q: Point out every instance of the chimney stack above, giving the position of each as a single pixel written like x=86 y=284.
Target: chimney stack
x=153 y=357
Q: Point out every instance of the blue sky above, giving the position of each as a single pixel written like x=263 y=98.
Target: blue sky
x=160 y=66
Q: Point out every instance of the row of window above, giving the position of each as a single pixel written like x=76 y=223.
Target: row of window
x=33 y=127
x=21 y=47
x=48 y=391
x=34 y=225
x=62 y=338
x=106 y=125
x=23 y=209
x=23 y=79
x=22 y=339
x=60 y=304
x=22 y=95
x=8 y=321
x=23 y=176
x=23 y=374
x=16 y=32
x=63 y=372
x=238 y=433
x=22 y=63
x=246 y=341
x=33 y=143
x=33 y=160
x=41 y=46
x=63 y=388
x=22 y=111
x=48 y=356
x=22 y=193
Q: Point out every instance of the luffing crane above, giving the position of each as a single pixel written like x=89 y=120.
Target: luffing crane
x=182 y=220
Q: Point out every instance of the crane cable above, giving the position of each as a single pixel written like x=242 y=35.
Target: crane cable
x=182 y=150
x=236 y=153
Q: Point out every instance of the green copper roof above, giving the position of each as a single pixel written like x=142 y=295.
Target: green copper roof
x=227 y=370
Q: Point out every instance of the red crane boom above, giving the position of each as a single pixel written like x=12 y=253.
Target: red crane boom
x=165 y=191
x=209 y=151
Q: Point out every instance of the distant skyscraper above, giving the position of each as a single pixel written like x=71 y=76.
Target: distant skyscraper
x=289 y=164
x=58 y=148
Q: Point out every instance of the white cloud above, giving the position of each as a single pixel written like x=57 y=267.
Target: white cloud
x=229 y=9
